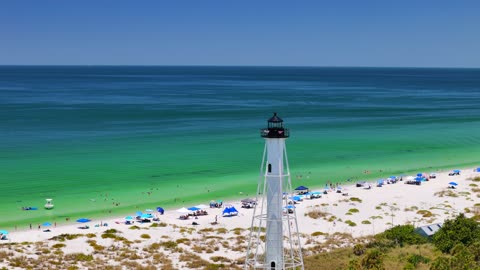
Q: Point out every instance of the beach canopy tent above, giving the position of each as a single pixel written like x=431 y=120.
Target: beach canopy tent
x=146 y=216
x=160 y=210
x=300 y=188
x=183 y=210
x=296 y=198
x=46 y=224
x=248 y=200
x=83 y=220
x=3 y=235
x=201 y=206
x=229 y=211
x=453 y=184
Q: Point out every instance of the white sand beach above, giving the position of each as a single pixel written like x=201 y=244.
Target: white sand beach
x=334 y=220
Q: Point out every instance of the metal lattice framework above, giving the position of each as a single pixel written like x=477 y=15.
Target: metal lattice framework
x=292 y=252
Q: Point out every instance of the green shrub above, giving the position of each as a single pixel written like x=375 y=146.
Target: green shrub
x=461 y=230
x=351 y=223
x=358 y=249
x=355 y=199
x=402 y=235
x=416 y=259
x=373 y=260
x=145 y=236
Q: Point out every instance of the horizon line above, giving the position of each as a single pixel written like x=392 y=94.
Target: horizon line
x=195 y=65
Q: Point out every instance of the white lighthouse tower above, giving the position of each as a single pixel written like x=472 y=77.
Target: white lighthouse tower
x=274 y=240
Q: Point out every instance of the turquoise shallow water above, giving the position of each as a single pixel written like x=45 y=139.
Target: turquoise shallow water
x=110 y=140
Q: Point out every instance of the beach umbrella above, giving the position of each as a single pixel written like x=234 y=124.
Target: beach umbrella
x=138 y=213
x=290 y=206
x=149 y=210
x=456 y=171
x=419 y=174
x=410 y=178
x=46 y=224
x=193 y=208
x=418 y=179
x=316 y=193
x=478 y=169
x=128 y=218
x=3 y=232
x=183 y=210
x=453 y=184
x=201 y=206
x=301 y=188
x=160 y=210
x=83 y=220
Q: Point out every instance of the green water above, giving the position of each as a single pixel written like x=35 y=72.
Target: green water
x=109 y=141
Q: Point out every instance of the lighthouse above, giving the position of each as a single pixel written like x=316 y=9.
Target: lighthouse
x=274 y=239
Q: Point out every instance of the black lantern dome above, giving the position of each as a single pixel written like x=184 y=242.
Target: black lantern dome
x=275 y=128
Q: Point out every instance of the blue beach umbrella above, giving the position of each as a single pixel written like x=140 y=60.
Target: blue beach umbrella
x=478 y=169
x=138 y=213
x=83 y=220
x=289 y=206
x=128 y=218
x=193 y=208
x=456 y=171
x=453 y=184
x=46 y=224
x=160 y=210
x=419 y=179
x=420 y=174
x=296 y=198
x=3 y=232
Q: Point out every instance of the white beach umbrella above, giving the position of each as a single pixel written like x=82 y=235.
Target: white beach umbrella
x=183 y=210
x=201 y=206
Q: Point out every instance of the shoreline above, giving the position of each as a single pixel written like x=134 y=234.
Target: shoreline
x=126 y=210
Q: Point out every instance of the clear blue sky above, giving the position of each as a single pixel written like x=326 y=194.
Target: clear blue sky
x=226 y=32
